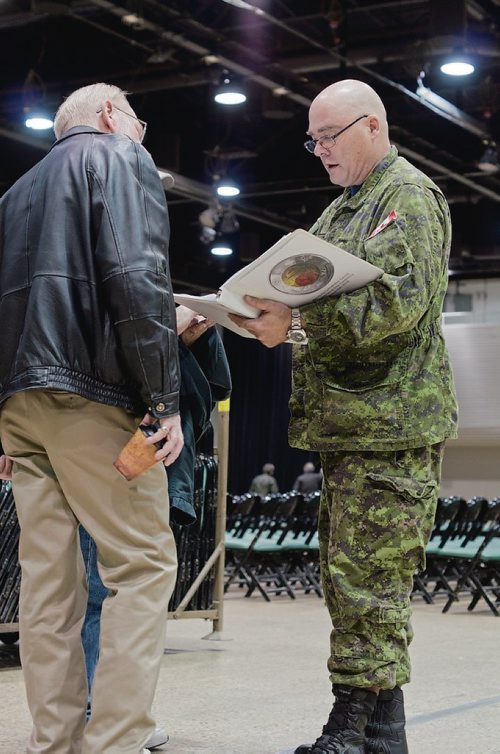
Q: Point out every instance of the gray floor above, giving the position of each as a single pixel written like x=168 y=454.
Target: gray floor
x=264 y=689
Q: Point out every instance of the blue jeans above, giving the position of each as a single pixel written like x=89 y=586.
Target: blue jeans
x=97 y=593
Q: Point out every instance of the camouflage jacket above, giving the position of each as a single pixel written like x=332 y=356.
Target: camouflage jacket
x=375 y=373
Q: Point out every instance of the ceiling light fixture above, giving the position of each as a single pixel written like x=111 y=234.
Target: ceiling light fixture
x=226 y=188
x=229 y=92
x=228 y=222
x=489 y=160
x=457 y=64
x=221 y=249
x=35 y=103
x=448 y=110
x=38 y=122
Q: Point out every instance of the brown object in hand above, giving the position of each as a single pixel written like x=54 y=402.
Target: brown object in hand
x=136 y=456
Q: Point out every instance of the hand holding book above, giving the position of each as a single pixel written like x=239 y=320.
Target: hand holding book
x=299 y=268
x=272 y=323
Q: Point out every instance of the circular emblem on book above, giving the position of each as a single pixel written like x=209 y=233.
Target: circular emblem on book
x=302 y=273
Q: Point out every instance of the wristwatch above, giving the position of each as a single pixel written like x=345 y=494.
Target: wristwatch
x=296 y=333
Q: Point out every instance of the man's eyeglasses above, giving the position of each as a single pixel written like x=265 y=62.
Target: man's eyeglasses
x=327 y=142
x=142 y=122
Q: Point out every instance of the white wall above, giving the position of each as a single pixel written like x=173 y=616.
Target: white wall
x=471 y=470
x=472 y=332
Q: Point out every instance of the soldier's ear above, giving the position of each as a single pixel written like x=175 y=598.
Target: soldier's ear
x=374 y=125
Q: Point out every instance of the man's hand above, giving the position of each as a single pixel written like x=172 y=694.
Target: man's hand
x=170 y=431
x=272 y=324
x=5 y=468
x=197 y=328
x=191 y=325
x=184 y=318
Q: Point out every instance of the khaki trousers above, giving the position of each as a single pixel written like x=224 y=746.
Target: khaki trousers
x=63 y=448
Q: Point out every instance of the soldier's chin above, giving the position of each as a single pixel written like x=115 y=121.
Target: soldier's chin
x=334 y=175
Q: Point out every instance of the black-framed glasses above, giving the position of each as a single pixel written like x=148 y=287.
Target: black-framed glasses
x=142 y=122
x=327 y=142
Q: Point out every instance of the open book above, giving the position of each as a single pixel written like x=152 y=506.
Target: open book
x=297 y=269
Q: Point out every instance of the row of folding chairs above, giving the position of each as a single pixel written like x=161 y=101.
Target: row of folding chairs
x=272 y=544
x=272 y=548
x=463 y=554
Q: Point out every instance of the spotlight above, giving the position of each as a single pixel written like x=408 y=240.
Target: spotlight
x=489 y=161
x=221 y=249
x=38 y=122
x=226 y=187
x=457 y=64
x=34 y=103
x=228 y=92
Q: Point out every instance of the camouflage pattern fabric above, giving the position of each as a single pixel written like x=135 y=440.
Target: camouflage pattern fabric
x=375 y=373
x=376 y=515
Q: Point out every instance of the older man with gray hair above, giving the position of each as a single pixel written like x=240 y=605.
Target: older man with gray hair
x=89 y=352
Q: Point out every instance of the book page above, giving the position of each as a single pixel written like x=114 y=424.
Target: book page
x=211 y=308
x=297 y=269
x=301 y=268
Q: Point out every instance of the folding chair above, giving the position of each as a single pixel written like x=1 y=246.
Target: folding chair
x=480 y=574
x=441 y=569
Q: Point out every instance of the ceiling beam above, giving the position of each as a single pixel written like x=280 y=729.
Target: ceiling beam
x=182 y=186
x=314 y=44
x=448 y=173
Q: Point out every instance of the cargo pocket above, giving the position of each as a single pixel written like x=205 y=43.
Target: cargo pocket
x=411 y=514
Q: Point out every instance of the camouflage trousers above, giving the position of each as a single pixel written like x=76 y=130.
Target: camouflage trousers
x=376 y=515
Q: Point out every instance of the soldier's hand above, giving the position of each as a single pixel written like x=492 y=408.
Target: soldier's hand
x=272 y=324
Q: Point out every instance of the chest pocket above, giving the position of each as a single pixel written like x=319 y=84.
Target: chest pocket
x=389 y=250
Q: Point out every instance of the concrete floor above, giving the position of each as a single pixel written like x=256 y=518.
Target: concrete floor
x=264 y=689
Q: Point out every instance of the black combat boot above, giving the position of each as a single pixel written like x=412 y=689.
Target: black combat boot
x=385 y=732
x=344 y=733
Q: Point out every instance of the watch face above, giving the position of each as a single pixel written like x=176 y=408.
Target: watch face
x=297 y=336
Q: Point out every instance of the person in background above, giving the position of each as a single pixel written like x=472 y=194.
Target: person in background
x=265 y=483
x=373 y=393
x=89 y=353
x=205 y=378
x=309 y=481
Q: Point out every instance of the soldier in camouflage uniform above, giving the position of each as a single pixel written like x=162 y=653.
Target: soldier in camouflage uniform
x=373 y=393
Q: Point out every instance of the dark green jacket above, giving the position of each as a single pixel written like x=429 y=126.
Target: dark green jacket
x=375 y=374
x=205 y=379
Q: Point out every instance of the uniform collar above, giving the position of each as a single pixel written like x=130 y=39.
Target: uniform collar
x=372 y=179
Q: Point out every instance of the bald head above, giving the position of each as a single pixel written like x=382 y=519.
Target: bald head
x=356 y=107
x=352 y=97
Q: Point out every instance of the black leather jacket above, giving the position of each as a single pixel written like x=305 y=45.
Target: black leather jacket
x=85 y=290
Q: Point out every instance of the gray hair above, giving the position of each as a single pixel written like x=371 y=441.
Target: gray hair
x=80 y=107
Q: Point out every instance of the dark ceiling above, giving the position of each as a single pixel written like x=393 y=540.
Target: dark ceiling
x=169 y=56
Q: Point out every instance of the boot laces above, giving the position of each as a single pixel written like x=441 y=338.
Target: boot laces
x=344 y=713
x=328 y=745
x=377 y=746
